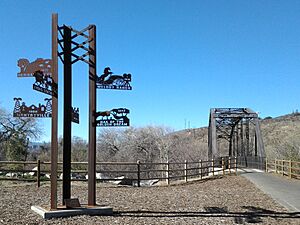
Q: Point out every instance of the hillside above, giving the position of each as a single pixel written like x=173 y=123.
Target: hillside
x=281 y=136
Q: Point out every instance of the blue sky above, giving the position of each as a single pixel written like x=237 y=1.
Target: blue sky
x=185 y=57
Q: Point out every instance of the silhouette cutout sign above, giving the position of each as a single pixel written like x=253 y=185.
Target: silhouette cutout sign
x=44 y=83
x=27 y=69
x=75 y=115
x=113 y=118
x=22 y=110
x=109 y=81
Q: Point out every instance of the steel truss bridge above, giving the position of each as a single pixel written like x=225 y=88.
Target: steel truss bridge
x=234 y=132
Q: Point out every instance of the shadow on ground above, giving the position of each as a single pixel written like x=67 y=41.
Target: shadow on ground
x=251 y=215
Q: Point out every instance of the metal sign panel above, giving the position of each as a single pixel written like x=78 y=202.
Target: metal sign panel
x=21 y=110
x=44 y=83
x=109 y=81
x=113 y=118
x=75 y=115
x=27 y=69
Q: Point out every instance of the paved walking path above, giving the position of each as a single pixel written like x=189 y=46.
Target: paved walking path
x=284 y=190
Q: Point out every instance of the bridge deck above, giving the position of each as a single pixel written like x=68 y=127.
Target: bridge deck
x=285 y=191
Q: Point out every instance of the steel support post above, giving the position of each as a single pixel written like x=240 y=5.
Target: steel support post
x=67 y=132
x=212 y=148
x=242 y=137
x=230 y=144
x=233 y=143
x=255 y=144
x=247 y=137
x=259 y=141
x=54 y=123
x=237 y=140
x=92 y=118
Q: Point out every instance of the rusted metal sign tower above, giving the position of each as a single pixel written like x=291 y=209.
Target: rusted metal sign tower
x=67 y=53
x=70 y=41
x=66 y=41
x=236 y=128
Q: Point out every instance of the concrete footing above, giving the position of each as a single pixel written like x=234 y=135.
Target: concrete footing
x=63 y=212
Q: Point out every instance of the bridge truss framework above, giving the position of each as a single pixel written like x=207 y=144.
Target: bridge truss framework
x=236 y=130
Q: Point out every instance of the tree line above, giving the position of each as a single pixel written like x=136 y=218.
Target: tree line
x=147 y=144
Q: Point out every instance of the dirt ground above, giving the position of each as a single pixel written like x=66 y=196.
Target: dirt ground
x=223 y=200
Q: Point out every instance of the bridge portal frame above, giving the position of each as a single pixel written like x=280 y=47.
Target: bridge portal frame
x=233 y=124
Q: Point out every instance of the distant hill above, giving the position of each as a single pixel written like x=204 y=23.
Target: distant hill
x=281 y=136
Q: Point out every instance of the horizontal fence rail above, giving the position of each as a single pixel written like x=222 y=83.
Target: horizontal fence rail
x=288 y=168
x=133 y=173
x=283 y=167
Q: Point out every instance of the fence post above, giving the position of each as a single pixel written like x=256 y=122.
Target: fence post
x=266 y=164
x=290 y=169
x=185 y=170
x=38 y=173
x=223 y=166
x=235 y=165
x=200 y=168
x=24 y=167
x=229 y=164
x=138 y=173
x=213 y=167
x=282 y=167
x=167 y=173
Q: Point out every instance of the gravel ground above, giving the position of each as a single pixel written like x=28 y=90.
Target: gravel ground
x=224 y=200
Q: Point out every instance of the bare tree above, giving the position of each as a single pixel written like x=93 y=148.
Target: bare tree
x=108 y=144
x=15 y=134
x=79 y=151
x=147 y=144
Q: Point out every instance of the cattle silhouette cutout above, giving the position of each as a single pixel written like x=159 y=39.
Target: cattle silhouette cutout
x=113 y=118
